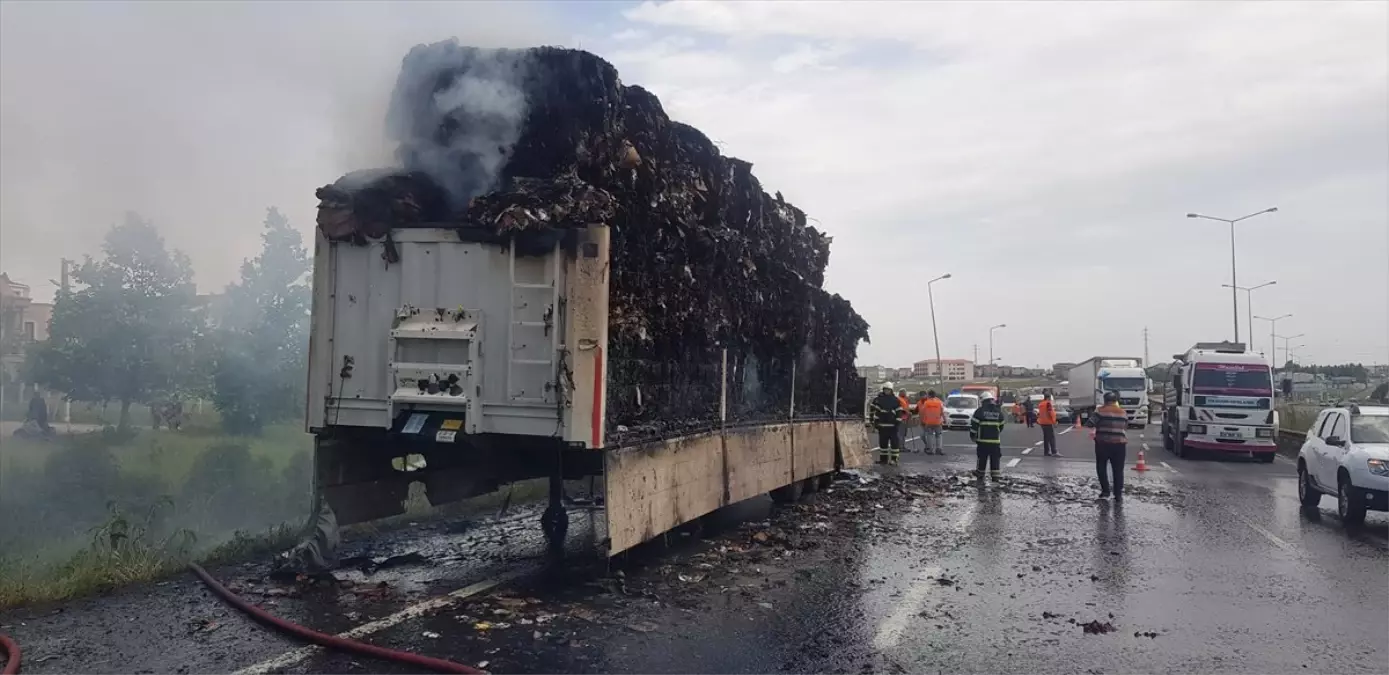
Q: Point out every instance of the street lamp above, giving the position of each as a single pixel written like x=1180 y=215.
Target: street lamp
x=1234 y=296
x=991 y=346
x=940 y=374
x=1286 y=340
x=1272 y=328
x=1249 y=305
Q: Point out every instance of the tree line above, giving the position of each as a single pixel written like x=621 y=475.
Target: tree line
x=133 y=330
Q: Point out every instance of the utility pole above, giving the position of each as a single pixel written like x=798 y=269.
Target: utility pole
x=65 y=284
x=1146 y=362
x=976 y=356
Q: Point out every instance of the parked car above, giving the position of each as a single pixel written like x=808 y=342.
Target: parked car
x=959 y=408
x=1063 y=412
x=1347 y=454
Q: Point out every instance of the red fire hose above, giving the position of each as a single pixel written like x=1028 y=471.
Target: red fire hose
x=10 y=650
x=313 y=636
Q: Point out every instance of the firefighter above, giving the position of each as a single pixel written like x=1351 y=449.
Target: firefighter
x=932 y=413
x=986 y=430
x=1111 y=445
x=1046 y=416
x=905 y=417
x=885 y=409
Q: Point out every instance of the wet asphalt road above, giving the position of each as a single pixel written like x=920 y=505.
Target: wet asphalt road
x=1209 y=566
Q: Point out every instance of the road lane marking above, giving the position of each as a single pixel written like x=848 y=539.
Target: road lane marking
x=1014 y=462
x=1277 y=541
x=1169 y=467
x=1065 y=431
x=293 y=657
x=1026 y=450
x=892 y=629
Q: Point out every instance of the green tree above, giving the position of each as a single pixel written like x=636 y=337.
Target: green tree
x=262 y=333
x=126 y=331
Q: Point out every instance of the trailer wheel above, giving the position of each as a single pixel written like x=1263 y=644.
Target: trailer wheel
x=787 y=494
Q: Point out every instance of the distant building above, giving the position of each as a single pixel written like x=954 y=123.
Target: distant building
x=1062 y=370
x=22 y=323
x=872 y=373
x=903 y=373
x=956 y=370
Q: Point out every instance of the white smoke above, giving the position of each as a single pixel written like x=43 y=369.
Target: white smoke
x=457 y=112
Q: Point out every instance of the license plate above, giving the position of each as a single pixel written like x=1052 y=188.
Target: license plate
x=1230 y=434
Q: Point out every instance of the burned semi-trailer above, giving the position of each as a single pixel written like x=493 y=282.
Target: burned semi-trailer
x=559 y=281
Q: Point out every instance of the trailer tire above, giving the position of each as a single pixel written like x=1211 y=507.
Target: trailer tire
x=787 y=494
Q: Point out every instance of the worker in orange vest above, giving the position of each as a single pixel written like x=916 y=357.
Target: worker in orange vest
x=932 y=413
x=905 y=416
x=1017 y=410
x=1046 y=416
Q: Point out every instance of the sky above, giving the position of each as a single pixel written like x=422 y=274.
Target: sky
x=1045 y=155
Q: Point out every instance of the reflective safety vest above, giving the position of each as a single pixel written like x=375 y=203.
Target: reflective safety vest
x=1111 y=425
x=1046 y=413
x=906 y=407
x=932 y=411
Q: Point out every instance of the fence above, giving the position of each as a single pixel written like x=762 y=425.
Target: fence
x=652 y=399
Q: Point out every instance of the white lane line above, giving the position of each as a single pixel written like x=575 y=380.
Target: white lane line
x=292 y=657
x=1014 y=462
x=1269 y=536
x=1169 y=467
x=1026 y=450
x=1065 y=431
x=913 y=438
x=895 y=626
x=892 y=630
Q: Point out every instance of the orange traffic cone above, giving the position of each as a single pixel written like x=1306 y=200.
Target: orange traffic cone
x=1142 y=464
x=1077 y=421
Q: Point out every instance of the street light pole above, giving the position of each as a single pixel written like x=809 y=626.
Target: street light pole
x=940 y=374
x=1234 y=280
x=991 y=346
x=1286 y=341
x=1249 y=305
x=1272 y=344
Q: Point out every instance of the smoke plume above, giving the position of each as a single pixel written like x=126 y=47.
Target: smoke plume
x=456 y=113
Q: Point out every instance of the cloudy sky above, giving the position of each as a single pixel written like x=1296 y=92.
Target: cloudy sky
x=1044 y=154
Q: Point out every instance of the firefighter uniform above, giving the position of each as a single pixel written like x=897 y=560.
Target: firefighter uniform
x=886 y=412
x=986 y=430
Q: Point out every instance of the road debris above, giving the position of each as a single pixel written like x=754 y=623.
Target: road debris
x=1095 y=627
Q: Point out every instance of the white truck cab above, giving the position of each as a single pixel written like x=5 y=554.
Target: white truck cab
x=1221 y=403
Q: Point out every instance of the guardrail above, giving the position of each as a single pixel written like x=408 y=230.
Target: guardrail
x=1290 y=442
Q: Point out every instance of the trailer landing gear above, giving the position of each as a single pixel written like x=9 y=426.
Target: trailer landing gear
x=555 y=522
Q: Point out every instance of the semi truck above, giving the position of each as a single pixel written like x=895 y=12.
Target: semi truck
x=1219 y=400
x=1124 y=375
x=486 y=362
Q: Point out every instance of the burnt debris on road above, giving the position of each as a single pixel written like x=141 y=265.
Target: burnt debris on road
x=523 y=144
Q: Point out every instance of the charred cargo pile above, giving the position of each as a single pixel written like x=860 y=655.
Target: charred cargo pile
x=519 y=143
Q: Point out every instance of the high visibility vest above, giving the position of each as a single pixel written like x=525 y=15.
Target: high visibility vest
x=906 y=407
x=932 y=411
x=1046 y=413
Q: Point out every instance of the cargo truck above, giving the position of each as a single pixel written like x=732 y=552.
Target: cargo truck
x=1220 y=401
x=485 y=360
x=1124 y=375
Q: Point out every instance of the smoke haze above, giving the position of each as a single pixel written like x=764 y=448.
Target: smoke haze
x=456 y=112
x=200 y=115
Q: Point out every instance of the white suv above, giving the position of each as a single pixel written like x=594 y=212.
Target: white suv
x=1347 y=454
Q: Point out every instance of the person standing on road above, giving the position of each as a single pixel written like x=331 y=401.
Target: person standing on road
x=905 y=417
x=932 y=413
x=986 y=430
x=1111 y=444
x=1046 y=416
x=1030 y=408
x=886 y=409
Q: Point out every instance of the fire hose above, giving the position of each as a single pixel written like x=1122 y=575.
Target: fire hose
x=10 y=651
x=306 y=634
